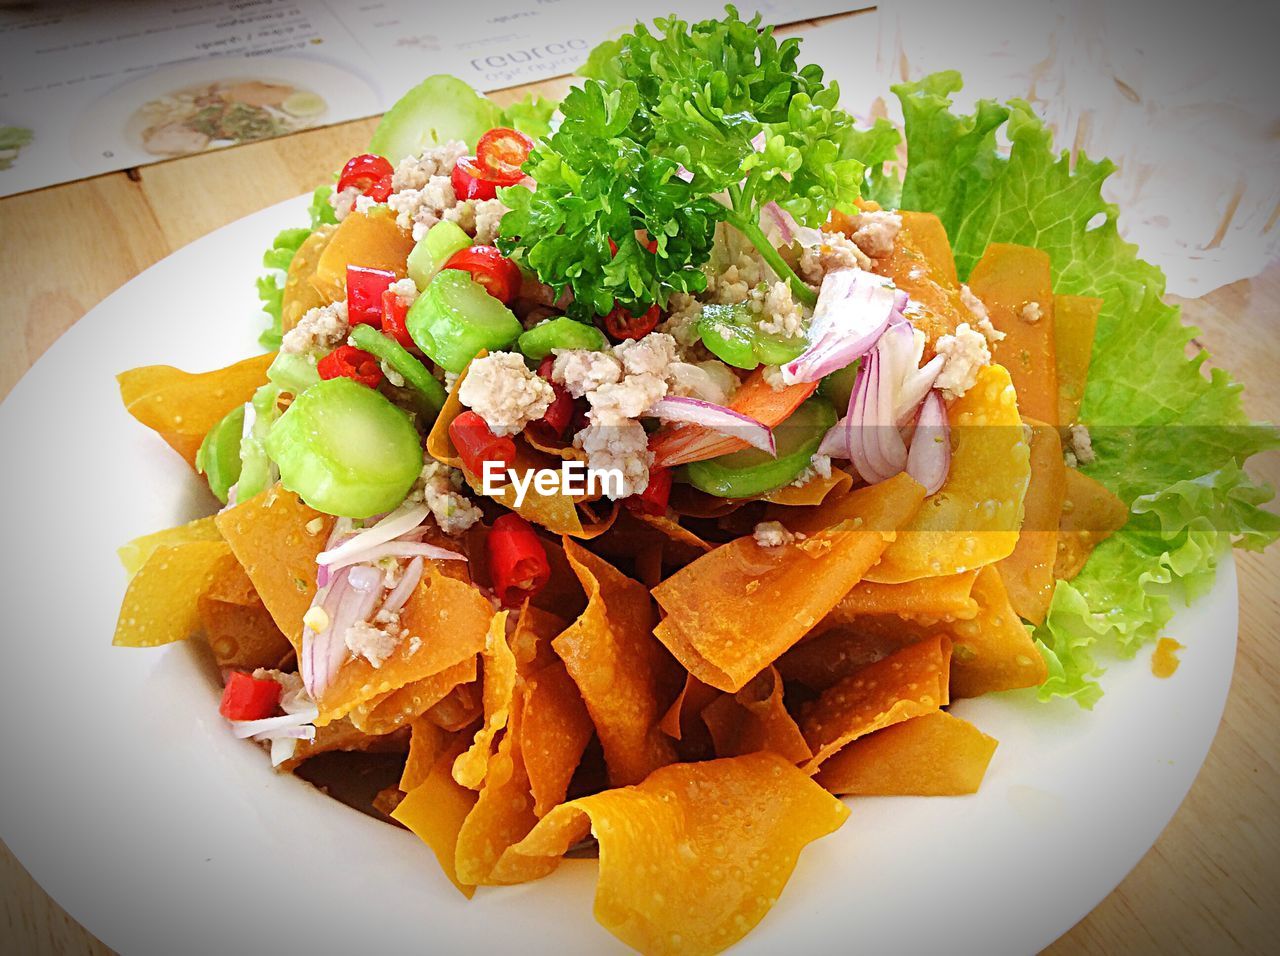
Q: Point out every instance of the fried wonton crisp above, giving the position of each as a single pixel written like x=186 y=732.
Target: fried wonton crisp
x=1091 y=513
x=181 y=406
x=737 y=609
x=1028 y=572
x=974 y=518
x=554 y=731
x=449 y=619
x=498 y=689
x=390 y=711
x=906 y=684
x=237 y=625
x=621 y=671
x=276 y=538
x=134 y=554
x=435 y=810
x=162 y=602
x=994 y=651
x=692 y=858
x=934 y=755
x=756 y=719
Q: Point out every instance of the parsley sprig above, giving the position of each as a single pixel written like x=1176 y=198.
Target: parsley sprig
x=684 y=102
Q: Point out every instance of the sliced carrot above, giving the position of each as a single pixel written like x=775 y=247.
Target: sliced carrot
x=681 y=444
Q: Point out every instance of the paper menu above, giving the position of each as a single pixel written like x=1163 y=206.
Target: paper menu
x=89 y=88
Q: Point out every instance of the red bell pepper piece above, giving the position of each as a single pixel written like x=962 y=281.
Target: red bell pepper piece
x=347 y=361
x=246 y=697
x=518 y=564
x=364 y=294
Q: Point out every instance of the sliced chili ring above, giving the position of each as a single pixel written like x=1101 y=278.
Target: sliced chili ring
x=369 y=173
x=347 y=361
x=501 y=153
x=489 y=267
x=477 y=444
x=518 y=564
x=621 y=324
x=653 y=500
x=469 y=182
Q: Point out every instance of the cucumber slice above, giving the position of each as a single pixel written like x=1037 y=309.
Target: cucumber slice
x=560 y=333
x=346 y=449
x=455 y=318
x=732 y=334
x=293 y=372
x=744 y=474
x=219 y=456
x=438 y=109
x=431 y=394
x=435 y=249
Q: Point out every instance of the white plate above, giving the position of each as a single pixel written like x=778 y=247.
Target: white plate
x=125 y=796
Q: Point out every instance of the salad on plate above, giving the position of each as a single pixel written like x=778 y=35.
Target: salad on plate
x=652 y=469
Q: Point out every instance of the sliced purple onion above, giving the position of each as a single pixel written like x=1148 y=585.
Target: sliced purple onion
x=341 y=528
x=259 y=729
x=403 y=519
x=775 y=219
x=402 y=591
x=759 y=141
x=929 y=460
x=875 y=447
x=781 y=220
x=892 y=450
x=327 y=599
x=717 y=418
x=901 y=347
x=854 y=308
x=684 y=174
x=835 y=443
x=398 y=549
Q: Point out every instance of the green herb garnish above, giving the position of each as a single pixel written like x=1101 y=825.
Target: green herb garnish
x=694 y=97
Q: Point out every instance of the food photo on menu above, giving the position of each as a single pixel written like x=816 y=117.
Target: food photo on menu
x=728 y=479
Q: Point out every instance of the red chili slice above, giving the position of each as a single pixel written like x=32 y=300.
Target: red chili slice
x=364 y=294
x=500 y=153
x=249 y=698
x=476 y=444
x=369 y=173
x=550 y=428
x=469 y=182
x=347 y=361
x=518 y=564
x=498 y=274
x=653 y=500
x=621 y=324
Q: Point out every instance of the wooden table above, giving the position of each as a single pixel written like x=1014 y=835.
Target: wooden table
x=1208 y=883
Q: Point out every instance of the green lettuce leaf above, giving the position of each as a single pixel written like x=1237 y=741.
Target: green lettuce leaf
x=276 y=260
x=1170 y=440
x=531 y=115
